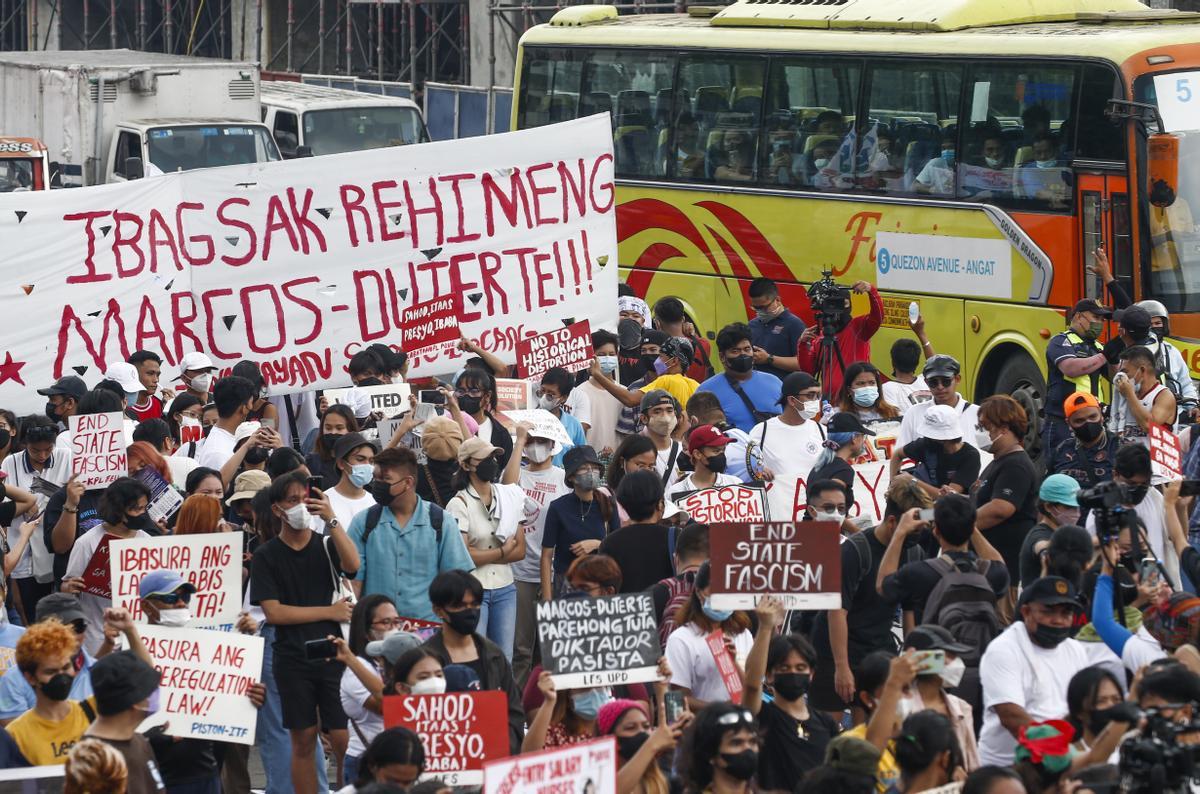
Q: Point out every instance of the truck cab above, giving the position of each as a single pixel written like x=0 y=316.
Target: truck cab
x=24 y=165
x=151 y=147
x=313 y=119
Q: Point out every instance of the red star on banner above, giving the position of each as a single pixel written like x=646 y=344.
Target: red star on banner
x=11 y=370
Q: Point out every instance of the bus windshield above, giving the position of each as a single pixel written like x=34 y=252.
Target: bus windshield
x=206 y=146
x=355 y=129
x=16 y=174
x=1174 y=276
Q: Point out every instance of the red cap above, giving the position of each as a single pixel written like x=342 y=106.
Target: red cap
x=706 y=436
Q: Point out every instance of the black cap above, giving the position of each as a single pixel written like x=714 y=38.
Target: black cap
x=678 y=347
x=654 y=336
x=846 y=422
x=120 y=681
x=67 y=386
x=932 y=637
x=350 y=442
x=63 y=606
x=575 y=457
x=941 y=366
x=795 y=383
x=1050 y=590
x=1134 y=320
x=1089 y=305
x=392 y=362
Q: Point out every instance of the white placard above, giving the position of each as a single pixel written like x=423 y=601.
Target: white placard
x=943 y=265
x=544 y=423
x=1178 y=95
x=390 y=399
x=588 y=768
x=98 y=449
x=212 y=562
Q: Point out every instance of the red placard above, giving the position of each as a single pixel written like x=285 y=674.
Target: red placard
x=97 y=576
x=569 y=348
x=725 y=504
x=1165 y=457
x=459 y=730
x=725 y=665
x=798 y=563
x=428 y=326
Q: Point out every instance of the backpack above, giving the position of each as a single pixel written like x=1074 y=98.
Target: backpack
x=964 y=604
x=679 y=590
x=375 y=512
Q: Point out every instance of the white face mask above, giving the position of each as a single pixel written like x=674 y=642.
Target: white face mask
x=834 y=516
x=538 y=453
x=983 y=440
x=1047 y=163
x=548 y=403
x=297 y=517
x=175 y=618
x=380 y=636
x=821 y=162
x=810 y=409
x=904 y=707
x=434 y=685
x=202 y=382
x=952 y=675
x=993 y=162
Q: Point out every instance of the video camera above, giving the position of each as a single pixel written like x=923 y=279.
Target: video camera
x=1108 y=501
x=830 y=303
x=1155 y=760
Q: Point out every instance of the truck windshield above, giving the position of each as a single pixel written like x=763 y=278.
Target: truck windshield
x=355 y=129
x=16 y=174
x=208 y=146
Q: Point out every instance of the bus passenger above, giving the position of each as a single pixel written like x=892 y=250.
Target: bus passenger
x=736 y=157
x=937 y=177
x=689 y=153
x=1045 y=178
x=989 y=174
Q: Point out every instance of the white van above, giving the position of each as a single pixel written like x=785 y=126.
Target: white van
x=310 y=119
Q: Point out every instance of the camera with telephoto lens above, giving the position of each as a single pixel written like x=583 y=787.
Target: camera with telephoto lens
x=1108 y=502
x=1155 y=760
x=830 y=303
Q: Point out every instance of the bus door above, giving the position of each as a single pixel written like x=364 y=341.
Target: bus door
x=1104 y=221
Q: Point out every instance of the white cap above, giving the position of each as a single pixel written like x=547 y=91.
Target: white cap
x=126 y=375
x=357 y=401
x=940 y=423
x=245 y=430
x=195 y=361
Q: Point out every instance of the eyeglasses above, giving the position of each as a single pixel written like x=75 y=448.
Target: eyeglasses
x=829 y=507
x=389 y=623
x=468 y=392
x=735 y=717
x=940 y=383
x=171 y=599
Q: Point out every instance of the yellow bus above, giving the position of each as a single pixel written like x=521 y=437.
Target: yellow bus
x=785 y=138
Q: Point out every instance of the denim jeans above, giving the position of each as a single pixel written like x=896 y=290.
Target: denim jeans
x=274 y=742
x=350 y=768
x=498 y=617
x=525 y=642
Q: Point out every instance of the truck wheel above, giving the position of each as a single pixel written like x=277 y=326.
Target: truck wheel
x=1021 y=378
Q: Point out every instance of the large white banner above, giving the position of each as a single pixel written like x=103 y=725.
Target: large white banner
x=299 y=264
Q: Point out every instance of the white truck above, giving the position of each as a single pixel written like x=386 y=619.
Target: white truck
x=315 y=120
x=112 y=115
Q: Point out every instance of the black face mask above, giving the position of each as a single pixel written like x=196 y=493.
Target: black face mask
x=646 y=362
x=1100 y=719
x=328 y=440
x=717 y=463
x=1088 y=431
x=1050 y=636
x=739 y=363
x=1137 y=493
x=470 y=405
x=52 y=412
x=791 y=686
x=58 y=688
x=627 y=746
x=488 y=470
x=369 y=382
x=381 y=492
x=5 y=437
x=465 y=621
x=741 y=766
x=257 y=455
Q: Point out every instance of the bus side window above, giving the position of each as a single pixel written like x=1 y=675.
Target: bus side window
x=628 y=84
x=718 y=100
x=1096 y=137
x=550 y=86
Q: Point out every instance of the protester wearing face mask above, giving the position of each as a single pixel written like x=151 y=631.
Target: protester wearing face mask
x=791 y=443
x=883 y=690
x=126 y=685
x=1088 y=455
x=640 y=744
x=774 y=330
x=552 y=394
x=748 y=396
x=794 y=736
x=1168 y=360
x=943 y=375
x=253 y=444
x=233 y=396
x=62 y=402
x=642 y=546
x=577 y=522
x=860 y=395
x=674 y=357
x=605 y=410
x=722 y=750
x=847 y=440
x=1057 y=506
x=355 y=459
x=1093 y=700
x=927 y=752
x=1075 y=362
x=636 y=373
x=661 y=414
x=457 y=598
x=198 y=373
x=1141 y=400
x=475 y=395
x=693 y=669
x=706 y=449
x=1025 y=671
x=937 y=176
x=930 y=690
x=945 y=463
x=337 y=421
x=565 y=718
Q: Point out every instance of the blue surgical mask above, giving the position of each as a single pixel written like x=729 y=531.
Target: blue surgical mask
x=608 y=364
x=715 y=615
x=660 y=367
x=588 y=704
x=131 y=397
x=865 y=396
x=948 y=156
x=361 y=474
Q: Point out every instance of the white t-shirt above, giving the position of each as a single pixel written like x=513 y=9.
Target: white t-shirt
x=345 y=508
x=664 y=458
x=354 y=695
x=906 y=395
x=968 y=421
x=686 y=484
x=217 y=449
x=541 y=488
x=579 y=406
x=1014 y=670
x=20 y=475
x=790 y=451
x=93 y=606
x=693 y=666
x=180 y=468
x=1151 y=511
x=1140 y=650
x=605 y=413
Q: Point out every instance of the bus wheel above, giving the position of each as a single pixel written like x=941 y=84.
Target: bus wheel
x=1021 y=378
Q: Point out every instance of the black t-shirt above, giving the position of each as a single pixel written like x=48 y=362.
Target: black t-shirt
x=914 y=581
x=960 y=468
x=184 y=761
x=836 y=469
x=1014 y=479
x=87 y=518
x=643 y=552
x=791 y=748
x=299 y=579
x=1031 y=564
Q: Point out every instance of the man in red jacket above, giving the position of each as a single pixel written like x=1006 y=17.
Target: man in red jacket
x=853 y=340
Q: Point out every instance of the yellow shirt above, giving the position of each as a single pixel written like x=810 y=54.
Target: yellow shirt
x=44 y=742
x=681 y=387
x=887 y=774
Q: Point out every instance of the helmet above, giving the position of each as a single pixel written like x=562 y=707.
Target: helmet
x=1156 y=309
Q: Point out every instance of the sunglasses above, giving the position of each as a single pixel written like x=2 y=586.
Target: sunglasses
x=940 y=382
x=171 y=599
x=735 y=717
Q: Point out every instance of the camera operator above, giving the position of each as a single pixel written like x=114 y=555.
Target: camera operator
x=853 y=335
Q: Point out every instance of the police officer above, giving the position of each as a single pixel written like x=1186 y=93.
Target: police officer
x=1076 y=363
x=1169 y=360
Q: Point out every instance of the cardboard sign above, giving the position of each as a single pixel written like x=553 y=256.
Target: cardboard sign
x=459 y=730
x=512 y=395
x=296 y=265
x=725 y=505
x=213 y=563
x=587 y=768
x=798 y=563
x=544 y=423
x=205 y=675
x=599 y=641
x=569 y=348
x=1166 y=461
x=190 y=430
x=97 y=575
x=98 y=449
x=390 y=399
x=725 y=665
x=165 y=501
x=422 y=628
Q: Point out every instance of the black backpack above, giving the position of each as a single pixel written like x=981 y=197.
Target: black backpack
x=374 y=512
x=964 y=604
